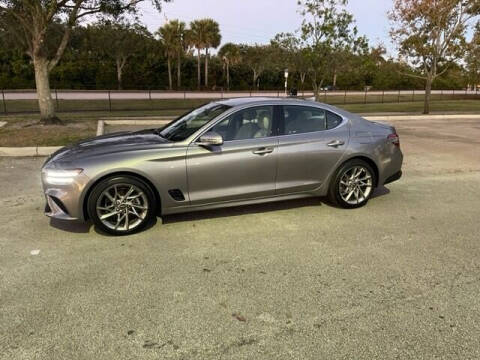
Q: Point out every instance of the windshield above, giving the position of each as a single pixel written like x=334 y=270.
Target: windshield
x=186 y=125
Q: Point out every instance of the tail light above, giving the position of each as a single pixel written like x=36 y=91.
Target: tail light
x=394 y=139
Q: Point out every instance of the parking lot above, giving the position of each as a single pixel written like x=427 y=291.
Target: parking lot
x=397 y=279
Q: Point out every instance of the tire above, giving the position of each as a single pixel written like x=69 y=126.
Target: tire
x=352 y=185
x=121 y=205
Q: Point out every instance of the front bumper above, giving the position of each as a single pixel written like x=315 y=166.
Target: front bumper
x=64 y=201
x=55 y=208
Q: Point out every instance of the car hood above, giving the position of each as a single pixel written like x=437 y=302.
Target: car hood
x=111 y=143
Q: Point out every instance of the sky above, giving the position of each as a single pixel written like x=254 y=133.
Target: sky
x=258 y=21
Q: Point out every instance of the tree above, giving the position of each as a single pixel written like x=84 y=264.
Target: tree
x=430 y=34
x=212 y=40
x=472 y=59
x=33 y=24
x=257 y=58
x=118 y=40
x=230 y=55
x=172 y=36
x=292 y=53
x=198 y=39
x=327 y=29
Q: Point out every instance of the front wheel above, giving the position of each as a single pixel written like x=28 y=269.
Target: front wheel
x=121 y=205
x=352 y=185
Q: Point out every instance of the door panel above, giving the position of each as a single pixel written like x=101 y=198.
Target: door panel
x=305 y=156
x=236 y=170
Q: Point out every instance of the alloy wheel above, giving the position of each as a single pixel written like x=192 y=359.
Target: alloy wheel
x=356 y=184
x=122 y=207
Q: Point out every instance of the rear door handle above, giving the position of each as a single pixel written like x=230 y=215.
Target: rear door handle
x=263 y=151
x=336 y=143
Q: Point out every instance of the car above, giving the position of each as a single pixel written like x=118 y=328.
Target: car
x=224 y=153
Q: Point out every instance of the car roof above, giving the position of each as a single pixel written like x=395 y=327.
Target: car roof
x=259 y=100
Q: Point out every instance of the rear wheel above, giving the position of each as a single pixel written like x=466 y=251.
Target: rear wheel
x=121 y=205
x=352 y=185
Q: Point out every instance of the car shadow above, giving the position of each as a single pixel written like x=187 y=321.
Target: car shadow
x=71 y=226
x=380 y=191
x=258 y=208
x=242 y=210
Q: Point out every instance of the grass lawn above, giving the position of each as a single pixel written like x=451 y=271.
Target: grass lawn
x=23 y=130
x=28 y=133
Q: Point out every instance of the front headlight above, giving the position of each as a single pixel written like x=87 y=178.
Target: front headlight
x=60 y=177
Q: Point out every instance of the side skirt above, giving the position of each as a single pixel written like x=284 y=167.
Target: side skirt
x=225 y=204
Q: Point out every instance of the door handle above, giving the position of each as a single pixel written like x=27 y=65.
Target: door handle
x=263 y=151
x=336 y=143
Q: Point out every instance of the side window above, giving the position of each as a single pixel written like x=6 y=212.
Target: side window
x=333 y=120
x=251 y=123
x=304 y=119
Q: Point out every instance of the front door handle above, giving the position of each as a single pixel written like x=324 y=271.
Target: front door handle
x=263 y=151
x=336 y=143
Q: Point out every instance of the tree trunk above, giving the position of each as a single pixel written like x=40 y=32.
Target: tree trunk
x=428 y=92
x=254 y=79
x=45 y=101
x=334 y=79
x=302 y=80
x=206 y=68
x=199 y=74
x=119 y=74
x=169 y=66
x=179 y=72
x=228 y=76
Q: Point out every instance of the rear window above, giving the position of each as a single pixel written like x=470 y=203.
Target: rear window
x=333 y=120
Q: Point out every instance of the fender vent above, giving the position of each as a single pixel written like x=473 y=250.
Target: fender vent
x=176 y=194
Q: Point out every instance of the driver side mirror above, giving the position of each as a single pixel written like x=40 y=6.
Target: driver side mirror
x=211 y=138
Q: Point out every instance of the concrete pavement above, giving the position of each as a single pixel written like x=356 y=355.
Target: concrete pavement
x=397 y=279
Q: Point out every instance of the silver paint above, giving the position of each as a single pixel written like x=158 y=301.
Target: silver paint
x=235 y=173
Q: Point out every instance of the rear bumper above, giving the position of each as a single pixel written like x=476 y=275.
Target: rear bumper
x=393 y=178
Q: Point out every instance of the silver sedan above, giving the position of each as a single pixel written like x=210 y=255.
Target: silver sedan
x=225 y=153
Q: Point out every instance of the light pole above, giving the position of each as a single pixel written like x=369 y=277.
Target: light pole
x=286 y=81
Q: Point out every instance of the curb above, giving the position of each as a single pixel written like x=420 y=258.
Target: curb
x=28 y=151
x=47 y=150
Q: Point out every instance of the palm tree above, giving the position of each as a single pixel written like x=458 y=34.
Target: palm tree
x=167 y=34
x=230 y=55
x=198 y=39
x=213 y=39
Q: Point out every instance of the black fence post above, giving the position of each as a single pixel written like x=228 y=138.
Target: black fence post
x=345 y=97
x=109 y=102
x=56 y=98
x=4 y=103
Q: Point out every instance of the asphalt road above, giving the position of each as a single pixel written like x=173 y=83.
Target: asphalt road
x=156 y=95
x=397 y=279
